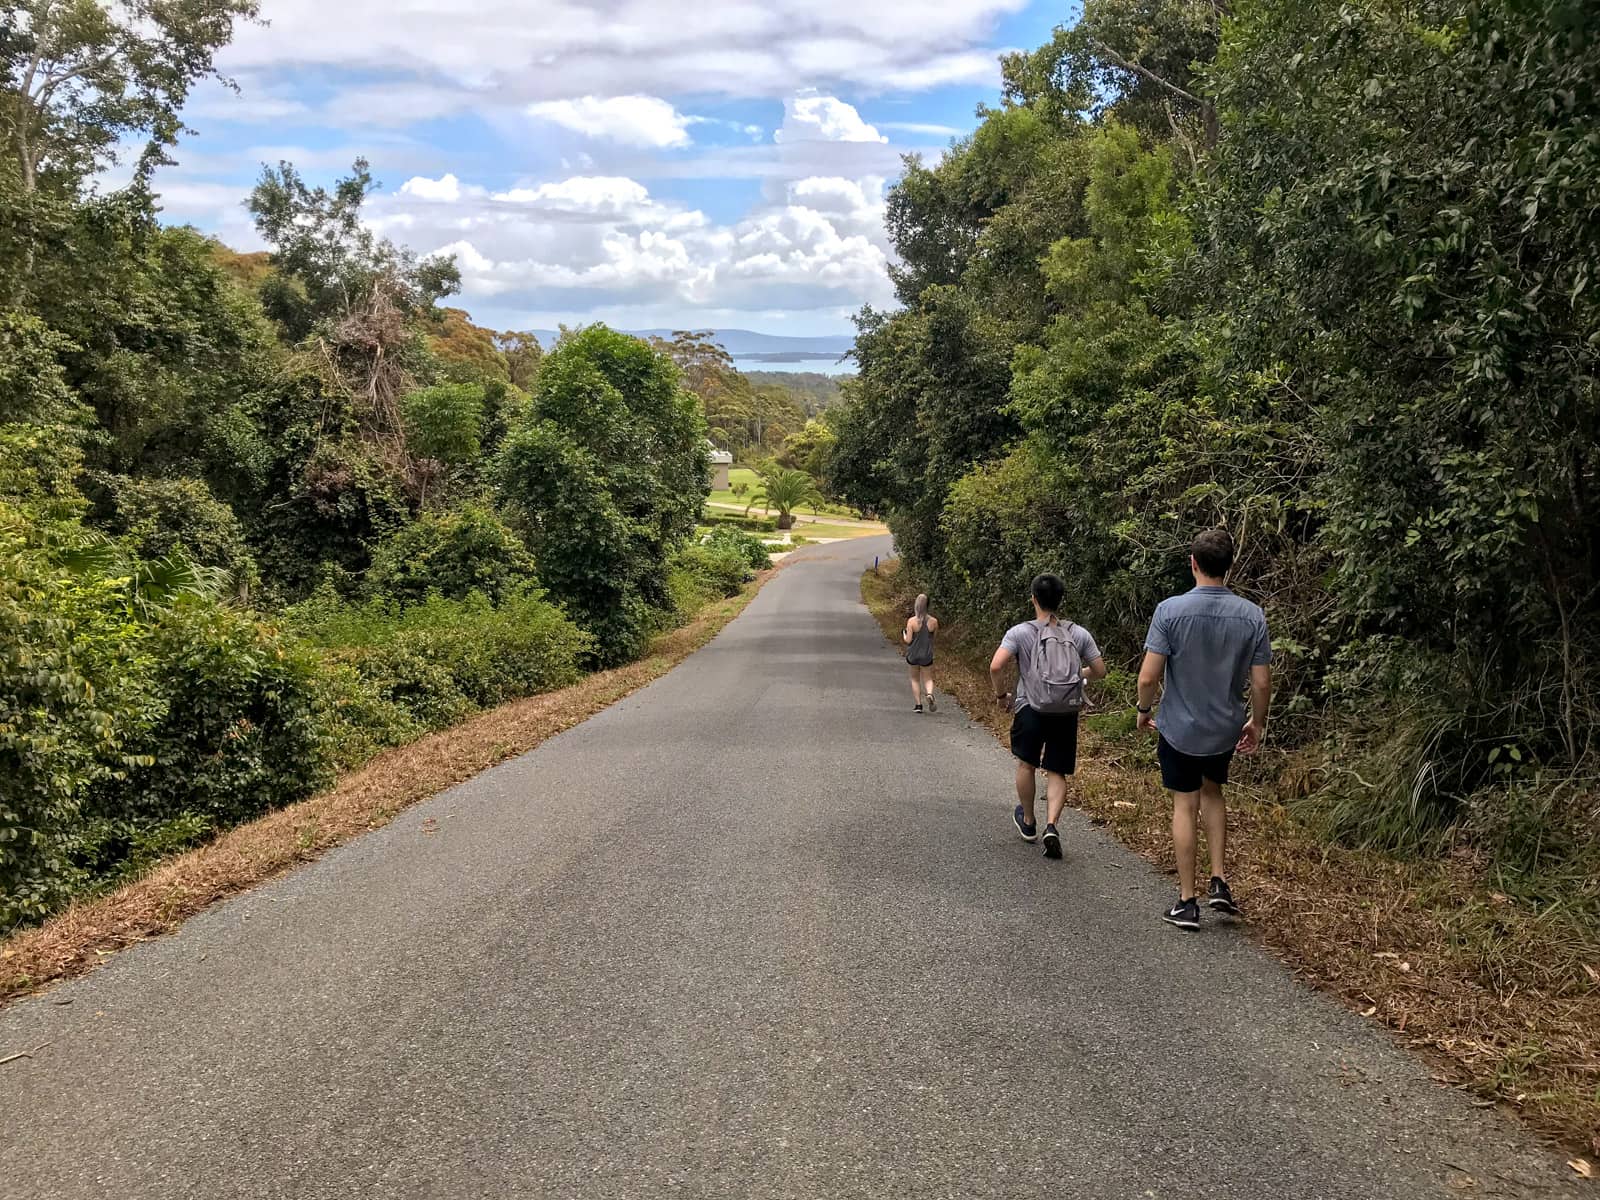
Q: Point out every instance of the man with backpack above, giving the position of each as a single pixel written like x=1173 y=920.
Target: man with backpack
x=1203 y=648
x=1054 y=659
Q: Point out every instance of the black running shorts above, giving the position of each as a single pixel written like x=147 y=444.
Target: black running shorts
x=1182 y=772
x=1048 y=740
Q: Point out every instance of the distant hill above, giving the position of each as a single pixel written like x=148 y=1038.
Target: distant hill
x=752 y=347
x=812 y=391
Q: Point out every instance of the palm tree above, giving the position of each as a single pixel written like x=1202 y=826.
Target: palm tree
x=786 y=490
x=153 y=585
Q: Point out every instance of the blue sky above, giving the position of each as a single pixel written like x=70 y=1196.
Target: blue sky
x=633 y=161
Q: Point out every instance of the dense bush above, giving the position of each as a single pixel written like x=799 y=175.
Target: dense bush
x=703 y=573
x=399 y=670
x=241 y=731
x=747 y=546
x=75 y=702
x=157 y=517
x=120 y=723
x=455 y=553
x=606 y=478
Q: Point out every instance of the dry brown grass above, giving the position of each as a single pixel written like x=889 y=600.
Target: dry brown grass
x=1501 y=1001
x=157 y=903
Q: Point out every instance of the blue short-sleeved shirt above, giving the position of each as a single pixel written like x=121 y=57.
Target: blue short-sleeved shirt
x=1023 y=641
x=1211 y=638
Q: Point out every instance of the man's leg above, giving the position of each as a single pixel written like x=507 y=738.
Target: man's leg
x=1026 y=788
x=1215 y=815
x=1185 y=807
x=1055 y=790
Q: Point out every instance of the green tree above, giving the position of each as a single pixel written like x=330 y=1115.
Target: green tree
x=785 y=490
x=606 y=479
x=810 y=448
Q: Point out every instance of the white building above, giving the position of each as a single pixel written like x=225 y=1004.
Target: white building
x=721 y=463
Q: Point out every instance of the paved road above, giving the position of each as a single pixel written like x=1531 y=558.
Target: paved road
x=756 y=931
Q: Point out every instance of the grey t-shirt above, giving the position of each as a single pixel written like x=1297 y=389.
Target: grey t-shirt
x=1211 y=638
x=1023 y=642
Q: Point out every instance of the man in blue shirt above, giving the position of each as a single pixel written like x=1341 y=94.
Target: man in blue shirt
x=1204 y=648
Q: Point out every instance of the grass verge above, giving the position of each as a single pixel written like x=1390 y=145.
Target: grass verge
x=1502 y=999
x=78 y=939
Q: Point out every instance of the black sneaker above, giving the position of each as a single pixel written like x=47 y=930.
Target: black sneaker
x=1030 y=833
x=1185 y=914
x=1220 y=898
x=1052 y=842
x=917 y=709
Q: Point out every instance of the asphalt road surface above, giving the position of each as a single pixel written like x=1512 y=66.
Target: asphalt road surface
x=756 y=931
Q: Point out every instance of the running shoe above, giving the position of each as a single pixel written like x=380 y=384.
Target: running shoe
x=933 y=705
x=917 y=709
x=1220 y=898
x=1052 y=842
x=1030 y=833
x=1185 y=914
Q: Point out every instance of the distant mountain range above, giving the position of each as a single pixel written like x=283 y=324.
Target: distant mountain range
x=746 y=345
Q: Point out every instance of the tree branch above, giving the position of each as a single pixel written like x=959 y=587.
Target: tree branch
x=1143 y=72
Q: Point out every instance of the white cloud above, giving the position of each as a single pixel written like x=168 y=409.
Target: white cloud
x=578 y=244
x=630 y=120
x=811 y=117
x=559 y=49
x=584 y=193
x=446 y=189
x=922 y=128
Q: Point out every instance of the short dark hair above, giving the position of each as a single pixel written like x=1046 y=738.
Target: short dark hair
x=1213 y=552
x=1049 y=591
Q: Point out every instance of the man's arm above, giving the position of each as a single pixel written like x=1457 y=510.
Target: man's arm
x=1151 y=672
x=999 y=667
x=1096 y=670
x=1260 y=702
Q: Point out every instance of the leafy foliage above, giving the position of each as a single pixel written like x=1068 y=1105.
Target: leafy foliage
x=1320 y=273
x=606 y=478
x=453 y=554
x=785 y=489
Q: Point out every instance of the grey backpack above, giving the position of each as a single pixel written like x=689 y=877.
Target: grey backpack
x=1055 y=684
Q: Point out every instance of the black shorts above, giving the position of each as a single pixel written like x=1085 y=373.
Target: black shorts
x=1182 y=772
x=1048 y=740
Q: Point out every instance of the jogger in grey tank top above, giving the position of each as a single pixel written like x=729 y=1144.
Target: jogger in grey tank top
x=918 y=638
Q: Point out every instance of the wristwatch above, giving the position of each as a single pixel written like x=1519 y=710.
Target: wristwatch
x=1142 y=709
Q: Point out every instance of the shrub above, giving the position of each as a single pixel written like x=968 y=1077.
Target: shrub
x=453 y=554
x=445 y=422
x=160 y=517
x=401 y=671
x=749 y=547
x=714 y=519
x=75 y=696
x=242 y=729
x=361 y=721
x=699 y=574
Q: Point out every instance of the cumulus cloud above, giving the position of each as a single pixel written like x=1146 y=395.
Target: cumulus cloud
x=630 y=120
x=561 y=49
x=813 y=117
x=446 y=189
x=567 y=245
x=585 y=193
